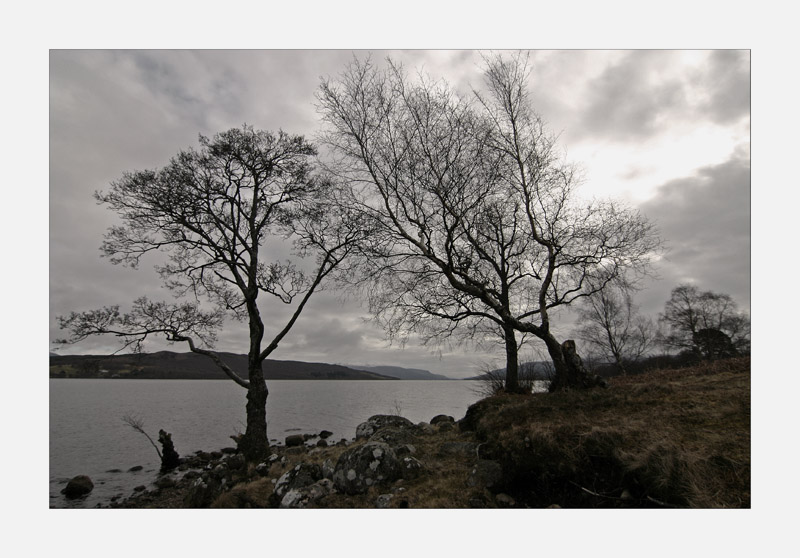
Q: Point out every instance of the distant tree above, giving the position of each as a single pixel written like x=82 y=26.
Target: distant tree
x=473 y=212
x=212 y=211
x=611 y=325
x=705 y=323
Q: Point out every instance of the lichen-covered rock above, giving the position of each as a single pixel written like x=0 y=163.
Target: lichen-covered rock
x=393 y=436
x=78 y=487
x=306 y=496
x=376 y=422
x=364 y=466
x=302 y=475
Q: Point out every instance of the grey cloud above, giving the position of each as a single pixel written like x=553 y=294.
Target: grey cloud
x=705 y=220
x=628 y=101
x=641 y=94
x=727 y=76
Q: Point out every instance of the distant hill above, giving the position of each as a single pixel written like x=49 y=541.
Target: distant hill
x=401 y=373
x=539 y=370
x=192 y=366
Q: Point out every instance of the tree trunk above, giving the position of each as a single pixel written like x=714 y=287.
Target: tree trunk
x=512 y=362
x=254 y=444
x=570 y=372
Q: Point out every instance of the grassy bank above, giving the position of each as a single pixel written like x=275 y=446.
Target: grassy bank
x=675 y=438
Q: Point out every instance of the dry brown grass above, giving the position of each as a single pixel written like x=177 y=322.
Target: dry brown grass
x=675 y=438
x=672 y=438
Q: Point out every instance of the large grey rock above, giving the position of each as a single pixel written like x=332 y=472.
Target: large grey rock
x=78 y=487
x=394 y=436
x=306 y=496
x=376 y=422
x=302 y=475
x=364 y=466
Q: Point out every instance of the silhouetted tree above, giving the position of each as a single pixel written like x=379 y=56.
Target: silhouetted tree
x=705 y=323
x=211 y=211
x=610 y=323
x=474 y=214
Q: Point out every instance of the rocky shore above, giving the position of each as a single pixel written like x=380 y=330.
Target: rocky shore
x=387 y=465
x=667 y=439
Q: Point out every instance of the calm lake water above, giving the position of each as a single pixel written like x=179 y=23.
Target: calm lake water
x=88 y=436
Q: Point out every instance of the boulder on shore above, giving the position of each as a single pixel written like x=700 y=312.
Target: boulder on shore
x=376 y=422
x=78 y=487
x=294 y=440
x=362 y=467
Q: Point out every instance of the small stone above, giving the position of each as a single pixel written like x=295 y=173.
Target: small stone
x=135 y=468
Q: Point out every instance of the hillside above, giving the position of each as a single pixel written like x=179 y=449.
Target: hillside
x=400 y=373
x=191 y=366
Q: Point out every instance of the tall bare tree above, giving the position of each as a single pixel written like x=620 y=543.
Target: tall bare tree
x=211 y=211
x=610 y=323
x=473 y=212
x=706 y=323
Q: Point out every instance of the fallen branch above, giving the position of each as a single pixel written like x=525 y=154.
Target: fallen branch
x=138 y=425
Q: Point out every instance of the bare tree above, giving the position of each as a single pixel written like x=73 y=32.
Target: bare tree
x=610 y=324
x=474 y=214
x=211 y=211
x=705 y=323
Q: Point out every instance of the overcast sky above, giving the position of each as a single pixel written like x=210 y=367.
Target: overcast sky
x=667 y=131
